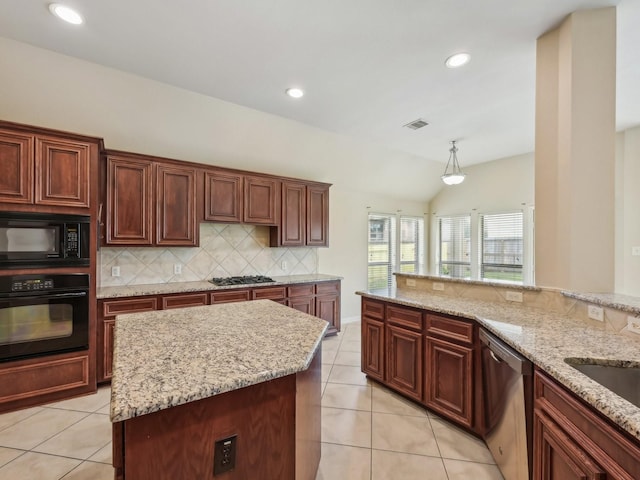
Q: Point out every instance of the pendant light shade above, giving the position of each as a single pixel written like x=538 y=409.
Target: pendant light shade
x=452 y=173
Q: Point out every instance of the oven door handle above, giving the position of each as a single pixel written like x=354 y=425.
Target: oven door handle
x=48 y=296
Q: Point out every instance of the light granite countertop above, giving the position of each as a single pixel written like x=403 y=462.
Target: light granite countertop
x=167 y=358
x=626 y=303
x=204 y=285
x=545 y=338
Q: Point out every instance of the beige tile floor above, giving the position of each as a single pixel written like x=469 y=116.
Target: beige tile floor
x=368 y=433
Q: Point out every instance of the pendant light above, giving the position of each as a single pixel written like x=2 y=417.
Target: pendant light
x=453 y=176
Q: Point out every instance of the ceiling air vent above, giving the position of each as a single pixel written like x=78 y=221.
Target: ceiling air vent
x=416 y=124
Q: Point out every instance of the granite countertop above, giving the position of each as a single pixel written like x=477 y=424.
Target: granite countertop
x=626 y=303
x=167 y=358
x=204 y=285
x=545 y=338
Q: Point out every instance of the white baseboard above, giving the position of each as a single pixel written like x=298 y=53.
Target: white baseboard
x=346 y=320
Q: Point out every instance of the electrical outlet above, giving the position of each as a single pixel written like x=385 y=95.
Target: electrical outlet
x=595 y=313
x=177 y=269
x=411 y=282
x=224 y=455
x=438 y=286
x=635 y=251
x=633 y=324
x=115 y=271
x=512 y=296
x=284 y=266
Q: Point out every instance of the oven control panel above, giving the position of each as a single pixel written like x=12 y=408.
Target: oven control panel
x=31 y=285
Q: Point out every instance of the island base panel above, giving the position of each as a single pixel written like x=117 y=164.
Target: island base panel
x=277 y=424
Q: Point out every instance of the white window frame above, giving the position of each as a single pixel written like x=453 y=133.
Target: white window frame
x=396 y=243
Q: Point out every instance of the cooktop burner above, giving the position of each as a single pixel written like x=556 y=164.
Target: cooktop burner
x=225 y=281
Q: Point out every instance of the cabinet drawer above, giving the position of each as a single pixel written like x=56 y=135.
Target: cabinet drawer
x=452 y=328
x=187 y=300
x=270 y=293
x=307 y=290
x=230 y=296
x=112 y=308
x=327 y=288
x=373 y=309
x=405 y=317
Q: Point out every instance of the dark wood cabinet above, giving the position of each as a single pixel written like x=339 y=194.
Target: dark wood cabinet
x=327 y=304
x=47 y=170
x=449 y=379
x=176 y=205
x=317 y=216
x=129 y=201
x=305 y=216
x=404 y=361
x=261 y=200
x=373 y=348
x=302 y=298
x=572 y=440
x=230 y=296
x=450 y=363
x=224 y=198
x=107 y=311
x=150 y=201
x=182 y=300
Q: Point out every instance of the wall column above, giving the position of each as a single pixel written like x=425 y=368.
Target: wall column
x=575 y=153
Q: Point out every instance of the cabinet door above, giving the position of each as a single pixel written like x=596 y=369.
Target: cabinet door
x=327 y=305
x=105 y=358
x=223 y=197
x=269 y=293
x=261 y=200
x=62 y=172
x=318 y=216
x=449 y=380
x=373 y=348
x=404 y=361
x=303 y=304
x=176 y=206
x=292 y=228
x=129 y=201
x=229 y=296
x=184 y=300
x=16 y=167
x=558 y=457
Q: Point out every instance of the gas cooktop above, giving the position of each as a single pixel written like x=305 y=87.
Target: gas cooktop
x=225 y=281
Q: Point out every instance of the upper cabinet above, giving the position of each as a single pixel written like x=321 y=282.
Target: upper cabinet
x=45 y=169
x=304 y=216
x=150 y=201
x=233 y=197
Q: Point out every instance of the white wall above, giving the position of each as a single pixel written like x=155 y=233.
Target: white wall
x=493 y=187
x=131 y=113
x=628 y=212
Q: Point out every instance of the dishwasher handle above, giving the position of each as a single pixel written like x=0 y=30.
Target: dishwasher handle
x=499 y=351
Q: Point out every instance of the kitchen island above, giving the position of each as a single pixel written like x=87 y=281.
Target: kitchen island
x=185 y=379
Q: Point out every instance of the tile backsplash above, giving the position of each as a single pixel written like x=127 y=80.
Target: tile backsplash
x=225 y=250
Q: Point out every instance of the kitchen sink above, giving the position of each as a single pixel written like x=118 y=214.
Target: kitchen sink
x=622 y=378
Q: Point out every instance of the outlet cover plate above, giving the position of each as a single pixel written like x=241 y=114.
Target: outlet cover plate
x=512 y=296
x=595 y=313
x=438 y=286
x=115 y=271
x=411 y=282
x=633 y=324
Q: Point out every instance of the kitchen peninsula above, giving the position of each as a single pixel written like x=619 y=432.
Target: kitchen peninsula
x=184 y=379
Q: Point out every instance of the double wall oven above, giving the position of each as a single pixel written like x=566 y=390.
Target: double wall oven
x=43 y=313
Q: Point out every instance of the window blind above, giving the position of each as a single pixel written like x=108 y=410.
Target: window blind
x=381 y=250
x=455 y=246
x=411 y=244
x=502 y=247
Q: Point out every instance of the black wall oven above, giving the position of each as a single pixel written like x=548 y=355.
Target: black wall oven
x=36 y=240
x=43 y=315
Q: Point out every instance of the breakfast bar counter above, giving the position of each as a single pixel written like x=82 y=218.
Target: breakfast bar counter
x=185 y=379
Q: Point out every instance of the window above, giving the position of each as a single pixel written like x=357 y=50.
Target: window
x=455 y=246
x=391 y=249
x=502 y=250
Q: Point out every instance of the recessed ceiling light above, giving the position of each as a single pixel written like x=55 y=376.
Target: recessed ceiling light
x=65 y=13
x=457 y=60
x=295 y=92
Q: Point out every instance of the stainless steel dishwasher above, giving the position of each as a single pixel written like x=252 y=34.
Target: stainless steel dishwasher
x=508 y=409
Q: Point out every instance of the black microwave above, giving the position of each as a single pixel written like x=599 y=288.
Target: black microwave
x=35 y=240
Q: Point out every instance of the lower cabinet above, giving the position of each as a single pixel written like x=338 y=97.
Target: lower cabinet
x=449 y=380
x=572 y=441
x=428 y=357
x=404 y=361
